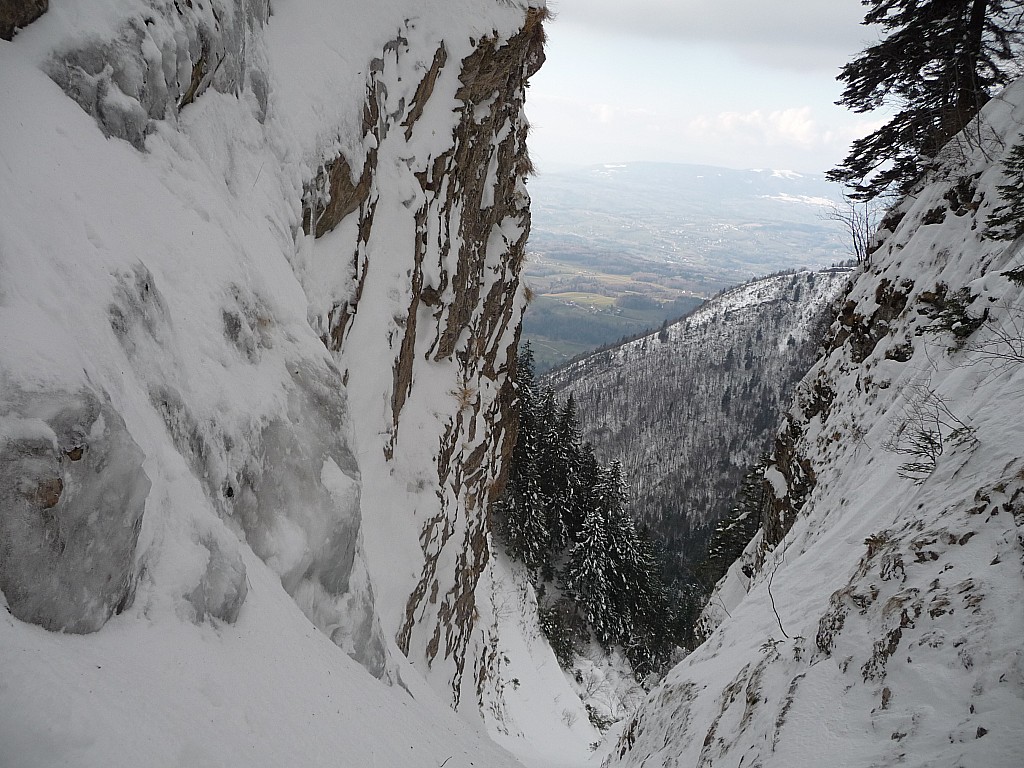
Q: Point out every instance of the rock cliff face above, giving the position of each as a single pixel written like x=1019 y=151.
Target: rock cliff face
x=278 y=316
x=867 y=621
x=431 y=366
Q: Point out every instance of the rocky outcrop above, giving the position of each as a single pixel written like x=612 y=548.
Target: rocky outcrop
x=72 y=495
x=870 y=608
x=454 y=312
x=308 y=308
x=19 y=13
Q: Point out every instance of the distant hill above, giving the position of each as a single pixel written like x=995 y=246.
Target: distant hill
x=686 y=409
x=617 y=249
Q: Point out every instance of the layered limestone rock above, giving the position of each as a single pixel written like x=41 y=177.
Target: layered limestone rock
x=298 y=280
x=444 y=244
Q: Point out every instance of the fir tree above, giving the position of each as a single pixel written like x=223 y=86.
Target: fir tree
x=732 y=534
x=564 y=516
x=1007 y=221
x=586 y=575
x=520 y=512
x=938 y=63
x=551 y=478
x=623 y=570
x=567 y=476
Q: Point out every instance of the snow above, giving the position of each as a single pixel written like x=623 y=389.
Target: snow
x=537 y=716
x=885 y=629
x=270 y=690
x=173 y=287
x=778 y=482
x=817 y=202
x=172 y=293
x=722 y=370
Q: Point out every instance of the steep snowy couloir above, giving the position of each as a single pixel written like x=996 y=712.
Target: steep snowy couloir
x=882 y=624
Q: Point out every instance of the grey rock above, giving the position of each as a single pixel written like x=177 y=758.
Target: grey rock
x=72 y=496
x=223 y=586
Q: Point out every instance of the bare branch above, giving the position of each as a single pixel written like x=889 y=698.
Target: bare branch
x=859 y=220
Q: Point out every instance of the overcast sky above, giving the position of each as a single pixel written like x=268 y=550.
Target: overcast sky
x=736 y=83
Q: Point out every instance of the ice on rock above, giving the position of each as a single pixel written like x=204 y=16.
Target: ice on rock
x=245 y=324
x=283 y=479
x=292 y=521
x=291 y=488
x=72 y=496
x=158 y=62
x=223 y=587
x=137 y=306
x=298 y=503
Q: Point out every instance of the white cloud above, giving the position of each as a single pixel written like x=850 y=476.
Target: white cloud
x=796 y=34
x=794 y=126
x=687 y=81
x=603 y=112
x=576 y=131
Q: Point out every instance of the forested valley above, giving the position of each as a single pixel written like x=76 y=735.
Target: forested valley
x=628 y=460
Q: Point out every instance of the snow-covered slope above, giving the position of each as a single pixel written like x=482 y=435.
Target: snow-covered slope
x=687 y=409
x=883 y=625
x=258 y=297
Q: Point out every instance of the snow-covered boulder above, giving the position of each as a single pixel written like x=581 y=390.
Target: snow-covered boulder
x=72 y=495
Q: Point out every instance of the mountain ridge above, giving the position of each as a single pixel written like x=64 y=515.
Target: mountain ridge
x=867 y=618
x=725 y=372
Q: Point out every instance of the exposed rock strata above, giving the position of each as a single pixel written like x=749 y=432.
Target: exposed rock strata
x=470 y=220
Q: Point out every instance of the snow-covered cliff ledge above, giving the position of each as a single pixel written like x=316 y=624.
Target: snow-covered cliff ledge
x=883 y=623
x=258 y=295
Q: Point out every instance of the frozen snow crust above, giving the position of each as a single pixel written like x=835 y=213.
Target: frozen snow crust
x=202 y=464
x=883 y=624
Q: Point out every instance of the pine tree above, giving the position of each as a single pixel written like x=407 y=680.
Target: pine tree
x=625 y=575
x=564 y=516
x=566 y=476
x=551 y=479
x=587 y=571
x=732 y=534
x=1007 y=221
x=520 y=512
x=938 y=63
x=641 y=614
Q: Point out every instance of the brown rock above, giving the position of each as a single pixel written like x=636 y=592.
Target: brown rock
x=19 y=13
